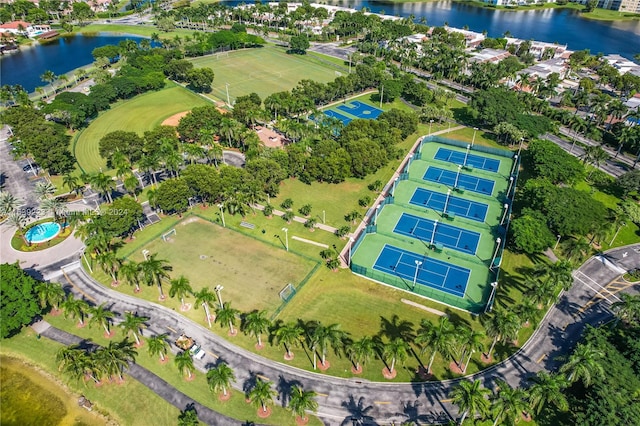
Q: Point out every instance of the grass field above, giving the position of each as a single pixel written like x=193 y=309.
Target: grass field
x=243 y=265
x=264 y=71
x=138 y=115
x=126 y=404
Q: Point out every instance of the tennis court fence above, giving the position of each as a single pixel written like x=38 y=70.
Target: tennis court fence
x=424 y=291
x=478 y=148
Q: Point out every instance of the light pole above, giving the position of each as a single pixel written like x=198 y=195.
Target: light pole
x=455 y=185
x=515 y=164
x=222 y=214
x=323 y=217
x=228 y=99
x=617 y=231
x=495 y=253
x=433 y=234
x=351 y=241
x=84 y=256
x=511 y=180
x=145 y=254
x=286 y=238
x=557 y=241
x=393 y=189
x=446 y=202
x=504 y=216
x=489 y=306
x=375 y=216
x=218 y=289
x=466 y=155
x=520 y=147
x=430 y=123
x=475 y=129
x=415 y=277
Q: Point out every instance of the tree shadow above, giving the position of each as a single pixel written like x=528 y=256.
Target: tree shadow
x=395 y=328
x=250 y=382
x=284 y=387
x=358 y=412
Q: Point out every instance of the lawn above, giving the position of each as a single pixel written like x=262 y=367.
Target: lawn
x=198 y=389
x=124 y=404
x=138 y=30
x=252 y=273
x=264 y=70
x=138 y=115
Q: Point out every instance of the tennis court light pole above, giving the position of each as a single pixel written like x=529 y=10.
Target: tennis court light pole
x=228 y=100
x=489 y=307
x=466 y=155
x=446 y=202
x=433 y=234
x=430 y=123
x=455 y=185
x=504 y=216
x=495 y=253
x=515 y=163
x=351 y=241
x=286 y=238
x=393 y=189
x=558 y=241
x=375 y=215
x=475 y=129
x=415 y=277
x=511 y=180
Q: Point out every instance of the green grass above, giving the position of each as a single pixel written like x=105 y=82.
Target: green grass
x=138 y=115
x=197 y=389
x=264 y=71
x=125 y=404
x=138 y=30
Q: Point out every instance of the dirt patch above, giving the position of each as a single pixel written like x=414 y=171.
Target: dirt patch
x=174 y=120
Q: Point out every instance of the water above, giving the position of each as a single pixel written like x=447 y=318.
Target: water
x=42 y=232
x=60 y=56
x=551 y=25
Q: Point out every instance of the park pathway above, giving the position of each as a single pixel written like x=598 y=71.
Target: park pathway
x=343 y=401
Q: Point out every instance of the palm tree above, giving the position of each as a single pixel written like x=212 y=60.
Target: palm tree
x=396 y=350
x=360 y=352
x=470 y=397
x=110 y=264
x=154 y=271
x=115 y=357
x=330 y=335
x=180 y=287
x=54 y=206
x=627 y=309
x=8 y=203
x=49 y=77
x=184 y=362
x=437 y=338
x=75 y=308
x=50 y=294
x=584 y=364
x=130 y=271
x=548 y=388
x=560 y=274
x=261 y=395
x=470 y=341
x=103 y=184
x=227 y=315
x=17 y=220
x=72 y=183
x=220 y=378
x=503 y=325
x=301 y=401
x=133 y=324
x=158 y=346
x=101 y=316
x=509 y=403
x=577 y=247
x=257 y=323
x=44 y=190
x=206 y=298
x=288 y=335
x=75 y=362
x=131 y=183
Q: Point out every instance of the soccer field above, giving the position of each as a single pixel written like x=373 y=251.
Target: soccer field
x=138 y=115
x=252 y=272
x=264 y=70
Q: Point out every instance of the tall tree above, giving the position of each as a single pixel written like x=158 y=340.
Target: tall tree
x=75 y=308
x=257 y=323
x=395 y=350
x=206 y=298
x=180 y=287
x=583 y=364
x=326 y=336
x=502 y=325
x=301 y=401
x=18 y=299
x=133 y=325
x=157 y=345
x=220 y=378
x=508 y=403
x=288 y=335
x=102 y=316
x=547 y=389
x=184 y=362
x=261 y=395
x=226 y=315
x=154 y=270
x=360 y=352
x=470 y=397
x=436 y=338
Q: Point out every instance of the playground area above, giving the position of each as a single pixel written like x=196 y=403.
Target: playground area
x=253 y=273
x=440 y=230
x=263 y=70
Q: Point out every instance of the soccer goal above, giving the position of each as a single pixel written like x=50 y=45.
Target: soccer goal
x=287 y=292
x=167 y=235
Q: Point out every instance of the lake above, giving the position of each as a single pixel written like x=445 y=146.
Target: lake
x=60 y=56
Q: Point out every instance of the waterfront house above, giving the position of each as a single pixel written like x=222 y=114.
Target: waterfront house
x=24 y=29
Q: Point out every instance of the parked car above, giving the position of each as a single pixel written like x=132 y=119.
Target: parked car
x=29 y=167
x=197 y=352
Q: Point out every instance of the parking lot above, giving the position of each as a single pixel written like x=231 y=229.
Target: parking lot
x=13 y=178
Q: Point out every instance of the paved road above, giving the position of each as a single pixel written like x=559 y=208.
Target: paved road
x=343 y=401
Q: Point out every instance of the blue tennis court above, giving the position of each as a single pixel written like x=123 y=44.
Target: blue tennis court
x=430 y=272
x=330 y=113
x=361 y=110
x=477 y=161
x=441 y=233
x=465 y=181
x=459 y=206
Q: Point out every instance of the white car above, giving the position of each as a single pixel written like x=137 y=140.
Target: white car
x=197 y=352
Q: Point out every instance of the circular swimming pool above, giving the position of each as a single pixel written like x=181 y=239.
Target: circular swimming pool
x=42 y=232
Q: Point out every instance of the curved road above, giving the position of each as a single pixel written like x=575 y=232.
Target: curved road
x=353 y=401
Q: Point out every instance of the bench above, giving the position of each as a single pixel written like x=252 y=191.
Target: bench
x=247 y=225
